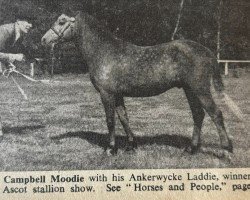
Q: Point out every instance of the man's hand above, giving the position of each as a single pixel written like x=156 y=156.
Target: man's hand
x=16 y=57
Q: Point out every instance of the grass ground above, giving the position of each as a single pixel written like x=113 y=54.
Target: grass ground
x=62 y=127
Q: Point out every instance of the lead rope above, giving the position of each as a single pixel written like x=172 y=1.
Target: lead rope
x=19 y=88
x=8 y=72
x=53 y=59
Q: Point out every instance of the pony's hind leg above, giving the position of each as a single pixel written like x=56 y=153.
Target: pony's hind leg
x=122 y=114
x=217 y=117
x=108 y=101
x=198 y=117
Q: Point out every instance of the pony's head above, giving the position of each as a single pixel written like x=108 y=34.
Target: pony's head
x=62 y=30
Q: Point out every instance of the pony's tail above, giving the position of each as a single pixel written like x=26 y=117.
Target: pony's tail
x=233 y=106
x=219 y=87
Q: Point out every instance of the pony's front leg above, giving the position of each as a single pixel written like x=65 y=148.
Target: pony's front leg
x=108 y=101
x=198 y=117
x=122 y=114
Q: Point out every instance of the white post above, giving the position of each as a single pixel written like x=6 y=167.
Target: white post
x=1 y=131
x=178 y=20
x=31 y=69
x=226 y=68
x=1 y=68
x=219 y=21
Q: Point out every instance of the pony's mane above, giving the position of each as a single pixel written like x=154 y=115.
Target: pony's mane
x=96 y=25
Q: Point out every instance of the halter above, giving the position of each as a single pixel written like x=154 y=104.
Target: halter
x=60 y=34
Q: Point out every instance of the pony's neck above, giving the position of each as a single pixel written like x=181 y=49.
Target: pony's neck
x=94 y=38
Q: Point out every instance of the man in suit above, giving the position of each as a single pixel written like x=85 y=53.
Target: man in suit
x=11 y=48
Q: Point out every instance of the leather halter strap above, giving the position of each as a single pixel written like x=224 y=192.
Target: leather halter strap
x=60 y=34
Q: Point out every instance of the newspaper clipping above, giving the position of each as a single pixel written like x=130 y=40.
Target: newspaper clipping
x=143 y=99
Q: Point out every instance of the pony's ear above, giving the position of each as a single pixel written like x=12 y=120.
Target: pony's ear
x=78 y=12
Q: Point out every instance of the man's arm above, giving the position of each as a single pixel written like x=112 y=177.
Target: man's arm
x=9 y=57
x=4 y=57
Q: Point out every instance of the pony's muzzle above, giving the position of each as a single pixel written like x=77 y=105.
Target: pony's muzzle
x=48 y=38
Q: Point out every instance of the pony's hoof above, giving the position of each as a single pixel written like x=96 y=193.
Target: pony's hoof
x=131 y=146
x=135 y=145
x=111 y=151
x=226 y=155
x=229 y=147
x=192 y=149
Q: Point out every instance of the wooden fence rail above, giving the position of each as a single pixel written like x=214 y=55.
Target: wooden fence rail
x=231 y=61
x=219 y=61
